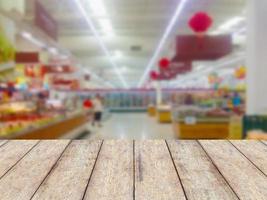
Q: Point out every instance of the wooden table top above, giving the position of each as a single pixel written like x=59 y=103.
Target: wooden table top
x=124 y=170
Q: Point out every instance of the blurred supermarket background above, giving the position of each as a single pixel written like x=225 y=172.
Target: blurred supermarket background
x=154 y=69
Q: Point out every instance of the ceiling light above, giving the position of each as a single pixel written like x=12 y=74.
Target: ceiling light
x=209 y=69
x=28 y=36
x=228 y=25
x=231 y=23
x=118 y=54
x=106 y=26
x=98 y=8
x=53 y=50
x=101 y=43
x=167 y=32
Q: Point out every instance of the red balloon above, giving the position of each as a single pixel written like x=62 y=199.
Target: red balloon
x=164 y=63
x=154 y=75
x=200 y=22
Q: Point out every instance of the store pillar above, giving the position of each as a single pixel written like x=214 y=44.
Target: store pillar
x=158 y=93
x=257 y=57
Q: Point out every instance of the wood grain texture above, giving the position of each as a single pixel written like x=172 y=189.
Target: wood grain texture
x=12 y=152
x=155 y=175
x=200 y=178
x=255 y=151
x=112 y=177
x=246 y=180
x=21 y=182
x=69 y=178
x=2 y=142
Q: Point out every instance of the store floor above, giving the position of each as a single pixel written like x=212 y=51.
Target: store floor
x=131 y=126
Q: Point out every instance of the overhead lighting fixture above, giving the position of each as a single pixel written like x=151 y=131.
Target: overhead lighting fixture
x=106 y=27
x=28 y=36
x=99 y=11
x=101 y=43
x=118 y=54
x=162 y=42
x=53 y=50
x=231 y=23
x=196 y=74
x=98 y=8
x=228 y=25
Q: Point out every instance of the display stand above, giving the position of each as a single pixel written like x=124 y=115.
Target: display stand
x=53 y=131
x=164 y=114
x=205 y=128
x=151 y=110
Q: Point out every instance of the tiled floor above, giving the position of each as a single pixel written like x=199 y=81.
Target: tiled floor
x=132 y=126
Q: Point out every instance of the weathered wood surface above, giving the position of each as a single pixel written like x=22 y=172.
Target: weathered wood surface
x=255 y=151
x=12 y=152
x=127 y=170
x=22 y=180
x=245 y=179
x=200 y=178
x=155 y=175
x=113 y=174
x=2 y=142
x=69 y=178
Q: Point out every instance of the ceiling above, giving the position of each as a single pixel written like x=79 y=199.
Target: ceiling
x=133 y=33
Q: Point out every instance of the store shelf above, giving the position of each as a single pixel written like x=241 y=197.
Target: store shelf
x=53 y=130
x=143 y=169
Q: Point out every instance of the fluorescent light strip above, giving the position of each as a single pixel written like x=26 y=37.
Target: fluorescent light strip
x=28 y=36
x=231 y=23
x=228 y=25
x=209 y=69
x=101 y=43
x=162 y=41
x=98 y=8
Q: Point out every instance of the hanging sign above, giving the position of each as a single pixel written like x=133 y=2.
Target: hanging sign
x=188 y=47
x=27 y=57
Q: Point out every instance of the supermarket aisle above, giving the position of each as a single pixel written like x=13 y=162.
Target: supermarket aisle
x=132 y=126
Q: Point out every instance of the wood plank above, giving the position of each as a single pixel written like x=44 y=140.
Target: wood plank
x=255 y=151
x=21 y=182
x=200 y=178
x=2 y=142
x=155 y=174
x=246 y=180
x=69 y=178
x=112 y=177
x=12 y=152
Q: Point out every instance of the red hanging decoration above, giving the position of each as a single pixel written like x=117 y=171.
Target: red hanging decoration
x=164 y=63
x=154 y=75
x=200 y=23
